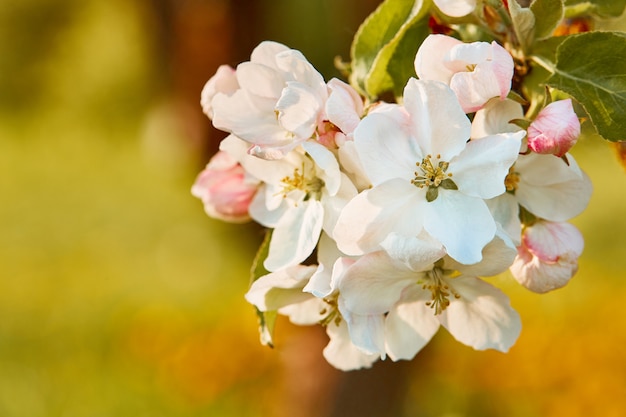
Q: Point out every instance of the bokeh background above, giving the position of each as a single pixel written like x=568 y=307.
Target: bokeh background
x=120 y=297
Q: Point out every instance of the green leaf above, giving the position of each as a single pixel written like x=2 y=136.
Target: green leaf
x=523 y=24
x=600 y=8
x=548 y=14
x=401 y=63
x=267 y=319
x=378 y=39
x=591 y=68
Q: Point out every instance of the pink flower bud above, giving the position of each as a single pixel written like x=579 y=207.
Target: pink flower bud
x=555 y=130
x=224 y=81
x=225 y=189
x=548 y=256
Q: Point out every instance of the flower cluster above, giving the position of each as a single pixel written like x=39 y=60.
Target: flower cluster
x=385 y=218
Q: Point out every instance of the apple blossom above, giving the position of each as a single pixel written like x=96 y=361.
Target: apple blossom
x=555 y=129
x=476 y=72
x=225 y=189
x=547 y=187
x=416 y=295
x=548 y=256
x=300 y=195
x=279 y=102
x=426 y=176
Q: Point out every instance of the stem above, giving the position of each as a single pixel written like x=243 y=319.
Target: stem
x=547 y=65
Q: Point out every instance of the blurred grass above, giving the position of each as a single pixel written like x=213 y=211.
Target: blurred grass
x=119 y=297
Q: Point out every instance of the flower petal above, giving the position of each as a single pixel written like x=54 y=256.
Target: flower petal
x=482 y=317
x=429 y=60
x=370 y=216
x=344 y=106
x=281 y=288
x=551 y=189
x=342 y=353
x=461 y=223
x=481 y=168
x=295 y=237
x=298 y=109
x=374 y=283
x=385 y=147
x=439 y=124
x=410 y=325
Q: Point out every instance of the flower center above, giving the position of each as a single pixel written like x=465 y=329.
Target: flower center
x=312 y=187
x=431 y=173
x=330 y=312
x=439 y=289
x=511 y=181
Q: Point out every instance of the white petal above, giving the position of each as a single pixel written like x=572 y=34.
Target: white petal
x=333 y=205
x=374 y=283
x=327 y=253
x=341 y=352
x=344 y=106
x=410 y=325
x=259 y=211
x=481 y=168
x=260 y=80
x=498 y=256
x=494 y=118
x=296 y=65
x=482 y=318
x=265 y=53
x=505 y=211
x=385 y=147
x=417 y=253
x=295 y=237
x=439 y=124
x=561 y=194
x=369 y=217
x=475 y=88
x=305 y=313
x=461 y=223
x=367 y=332
x=429 y=60
x=252 y=119
x=327 y=165
x=298 y=110
x=281 y=288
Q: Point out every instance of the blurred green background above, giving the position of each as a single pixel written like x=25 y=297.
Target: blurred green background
x=120 y=297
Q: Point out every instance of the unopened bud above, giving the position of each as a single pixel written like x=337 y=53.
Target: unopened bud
x=555 y=130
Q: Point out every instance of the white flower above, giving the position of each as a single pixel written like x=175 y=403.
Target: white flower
x=417 y=295
x=476 y=72
x=300 y=195
x=284 y=291
x=426 y=175
x=279 y=103
x=548 y=256
x=545 y=186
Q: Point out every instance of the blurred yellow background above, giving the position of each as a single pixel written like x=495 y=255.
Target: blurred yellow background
x=120 y=297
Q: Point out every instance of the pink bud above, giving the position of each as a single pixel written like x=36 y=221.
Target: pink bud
x=224 y=189
x=548 y=256
x=224 y=81
x=555 y=130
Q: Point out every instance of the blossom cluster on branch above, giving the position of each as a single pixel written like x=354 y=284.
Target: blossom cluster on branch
x=385 y=219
